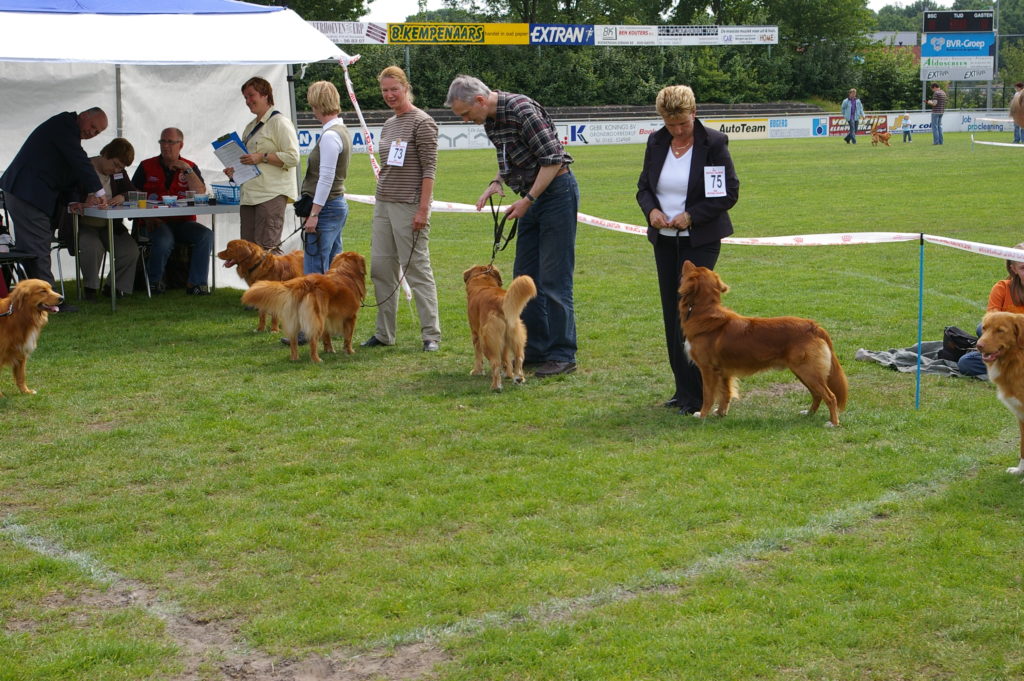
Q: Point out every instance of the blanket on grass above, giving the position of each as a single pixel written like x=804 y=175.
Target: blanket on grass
x=905 y=359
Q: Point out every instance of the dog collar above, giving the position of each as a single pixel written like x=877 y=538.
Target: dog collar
x=10 y=311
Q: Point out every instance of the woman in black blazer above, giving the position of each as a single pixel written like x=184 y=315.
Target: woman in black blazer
x=686 y=188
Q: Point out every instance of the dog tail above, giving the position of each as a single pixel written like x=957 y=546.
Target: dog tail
x=837 y=382
x=272 y=297
x=521 y=291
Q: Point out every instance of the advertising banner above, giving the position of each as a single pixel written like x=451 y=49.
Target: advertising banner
x=957 y=68
x=353 y=32
x=958 y=45
x=625 y=35
x=561 y=34
x=459 y=34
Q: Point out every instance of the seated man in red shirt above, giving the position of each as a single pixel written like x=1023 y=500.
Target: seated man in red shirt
x=171 y=175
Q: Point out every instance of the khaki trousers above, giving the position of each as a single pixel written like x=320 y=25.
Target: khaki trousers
x=394 y=245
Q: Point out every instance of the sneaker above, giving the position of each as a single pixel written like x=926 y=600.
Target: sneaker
x=555 y=368
x=197 y=291
x=430 y=345
x=372 y=342
x=302 y=340
x=157 y=288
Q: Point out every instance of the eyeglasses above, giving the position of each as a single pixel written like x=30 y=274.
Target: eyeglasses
x=170 y=141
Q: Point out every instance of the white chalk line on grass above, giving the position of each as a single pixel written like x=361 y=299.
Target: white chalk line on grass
x=667 y=581
x=190 y=635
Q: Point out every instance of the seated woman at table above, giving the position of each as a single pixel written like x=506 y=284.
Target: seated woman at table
x=92 y=232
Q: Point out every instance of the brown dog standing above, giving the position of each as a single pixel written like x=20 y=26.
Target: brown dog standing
x=255 y=263
x=23 y=314
x=725 y=345
x=498 y=332
x=316 y=304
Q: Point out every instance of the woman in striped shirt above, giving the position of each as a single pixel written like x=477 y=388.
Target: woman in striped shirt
x=401 y=217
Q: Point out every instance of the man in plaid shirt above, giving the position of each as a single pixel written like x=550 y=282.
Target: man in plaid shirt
x=534 y=164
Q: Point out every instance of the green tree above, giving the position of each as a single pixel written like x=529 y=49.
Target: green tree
x=889 y=79
x=323 y=10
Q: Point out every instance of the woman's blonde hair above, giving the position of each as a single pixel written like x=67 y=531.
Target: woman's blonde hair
x=1016 y=287
x=399 y=75
x=324 y=98
x=675 y=100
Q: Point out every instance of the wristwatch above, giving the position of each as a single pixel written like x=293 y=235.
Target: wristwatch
x=265 y=157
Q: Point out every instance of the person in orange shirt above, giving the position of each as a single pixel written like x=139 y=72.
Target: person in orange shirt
x=1006 y=296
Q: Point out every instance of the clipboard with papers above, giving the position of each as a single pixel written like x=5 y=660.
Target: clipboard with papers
x=229 y=149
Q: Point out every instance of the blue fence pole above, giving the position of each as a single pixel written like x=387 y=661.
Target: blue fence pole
x=920 y=319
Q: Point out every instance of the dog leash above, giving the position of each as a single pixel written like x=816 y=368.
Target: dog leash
x=499 y=229
x=405 y=270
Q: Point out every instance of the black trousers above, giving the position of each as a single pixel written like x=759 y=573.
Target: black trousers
x=669 y=255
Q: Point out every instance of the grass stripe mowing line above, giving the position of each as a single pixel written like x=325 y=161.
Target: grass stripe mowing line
x=832 y=522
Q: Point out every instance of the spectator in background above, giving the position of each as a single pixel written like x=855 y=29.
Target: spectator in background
x=169 y=174
x=1018 y=131
x=853 y=111
x=938 y=105
x=1007 y=295
x=49 y=163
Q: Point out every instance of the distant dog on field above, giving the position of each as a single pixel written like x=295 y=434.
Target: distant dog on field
x=725 y=345
x=1002 y=349
x=23 y=314
x=255 y=263
x=879 y=136
x=318 y=305
x=498 y=332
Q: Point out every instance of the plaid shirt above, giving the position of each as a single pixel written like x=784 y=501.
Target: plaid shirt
x=525 y=139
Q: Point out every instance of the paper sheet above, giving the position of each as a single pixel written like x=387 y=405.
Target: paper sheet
x=229 y=149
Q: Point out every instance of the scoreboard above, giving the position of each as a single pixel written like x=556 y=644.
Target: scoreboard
x=959 y=21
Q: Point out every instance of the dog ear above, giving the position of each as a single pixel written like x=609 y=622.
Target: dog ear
x=1018 y=328
x=467 y=274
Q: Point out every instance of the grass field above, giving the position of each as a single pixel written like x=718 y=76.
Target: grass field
x=181 y=502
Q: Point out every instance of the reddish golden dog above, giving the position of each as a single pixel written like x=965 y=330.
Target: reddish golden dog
x=255 y=263
x=725 y=345
x=1002 y=349
x=23 y=314
x=318 y=305
x=498 y=332
x=880 y=136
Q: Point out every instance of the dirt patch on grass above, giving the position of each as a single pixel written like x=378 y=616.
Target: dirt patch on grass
x=774 y=389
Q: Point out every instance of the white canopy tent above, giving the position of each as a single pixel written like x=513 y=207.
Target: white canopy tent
x=180 y=63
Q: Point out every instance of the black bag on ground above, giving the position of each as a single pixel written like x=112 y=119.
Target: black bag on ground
x=303 y=206
x=955 y=343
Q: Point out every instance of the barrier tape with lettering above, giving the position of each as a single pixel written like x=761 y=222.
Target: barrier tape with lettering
x=834 y=239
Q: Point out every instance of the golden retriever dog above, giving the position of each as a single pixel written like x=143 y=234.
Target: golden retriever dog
x=880 y=136
x=725 y=345
x=318 y=305
x=256 y=263
x=1002 y=349
x=498 y=332
x=23 y=314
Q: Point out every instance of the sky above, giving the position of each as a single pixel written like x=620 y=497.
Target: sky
x=384 y=11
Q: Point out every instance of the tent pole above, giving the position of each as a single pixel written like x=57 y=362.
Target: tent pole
x=117 y=99
x=295 y=116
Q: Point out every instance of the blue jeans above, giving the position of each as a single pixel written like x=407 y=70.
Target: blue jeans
x=852 y=135
x=546 y=250
x=321 y=246
x=163 y=236
x=1018 y=134
x=936 y=128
